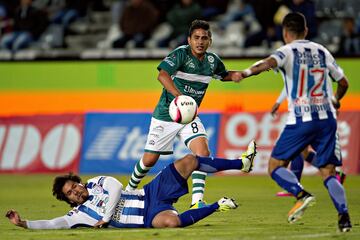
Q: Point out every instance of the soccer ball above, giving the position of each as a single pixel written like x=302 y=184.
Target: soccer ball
x=183 y=109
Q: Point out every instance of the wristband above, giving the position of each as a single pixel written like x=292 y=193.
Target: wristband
x=247 y=72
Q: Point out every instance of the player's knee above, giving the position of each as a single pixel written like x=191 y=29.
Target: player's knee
x=172 y=222
x=327 y=171
x=190 y=161
x=203 y=153
x=275 y=163
x=149 y=159
x=270 y=170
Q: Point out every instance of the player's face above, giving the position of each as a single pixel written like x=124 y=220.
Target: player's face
x=199 y=42
x=75 y=192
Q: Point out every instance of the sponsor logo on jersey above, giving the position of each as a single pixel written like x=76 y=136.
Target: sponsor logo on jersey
x=312 y=100
x=300 y=110
x=158 y=129
x=188 y=89
x=97 y=189
x=72 y=212
x=313 y=104
x=308 y=58
x=118 y=210
x=154 y=135
x=189 y=63
x=100 y=201
x=170 y=60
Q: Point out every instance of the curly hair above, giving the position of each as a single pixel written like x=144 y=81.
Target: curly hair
x=199 y=24
x=58 y=184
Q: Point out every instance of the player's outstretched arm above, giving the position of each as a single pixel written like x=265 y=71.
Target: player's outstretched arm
x=15 y=219
x=259 y=67
x=56 y=223
x=165 y=80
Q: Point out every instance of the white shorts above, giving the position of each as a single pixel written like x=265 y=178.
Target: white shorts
x=162 y=135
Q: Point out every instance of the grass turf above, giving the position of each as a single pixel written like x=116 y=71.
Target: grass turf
x=261 y=215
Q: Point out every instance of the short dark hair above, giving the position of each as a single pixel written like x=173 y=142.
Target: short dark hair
x=199 y=24
x=58 y=184
x=295 y=22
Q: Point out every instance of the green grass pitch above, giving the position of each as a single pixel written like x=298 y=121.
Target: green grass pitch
x=261 y=215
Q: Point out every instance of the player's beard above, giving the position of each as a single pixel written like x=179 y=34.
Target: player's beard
x=84 y=196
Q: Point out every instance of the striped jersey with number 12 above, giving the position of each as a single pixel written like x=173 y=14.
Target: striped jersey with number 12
x=308 y=69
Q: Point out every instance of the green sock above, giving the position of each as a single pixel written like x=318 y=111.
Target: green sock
x=198 y=180
x=140 y=171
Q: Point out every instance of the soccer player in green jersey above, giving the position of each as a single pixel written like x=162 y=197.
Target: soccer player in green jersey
x=187 y=70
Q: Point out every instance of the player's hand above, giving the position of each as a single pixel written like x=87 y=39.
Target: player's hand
x=14 y=218
x=100 y=224
x=335 y=103
x=237 y=76
x=274 y=109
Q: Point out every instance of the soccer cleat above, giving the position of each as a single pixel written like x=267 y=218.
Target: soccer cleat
x=284 y=194
x=344 y=222
x=248 y=157
x=225 y=204
x=340 y=176
x=199 y=204
x=300 y=206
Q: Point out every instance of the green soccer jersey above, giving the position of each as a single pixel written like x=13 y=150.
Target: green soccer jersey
x=190 y=75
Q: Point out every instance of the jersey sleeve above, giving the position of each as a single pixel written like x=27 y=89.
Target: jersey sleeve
x=113 y=187
x=335 y=71
x=280 y=56
x=56 y=223
x=220 y=71
x=172 y=62
x=73 y=219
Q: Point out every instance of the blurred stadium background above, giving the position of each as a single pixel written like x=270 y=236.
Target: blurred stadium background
x=108 y=29
x=78 y=95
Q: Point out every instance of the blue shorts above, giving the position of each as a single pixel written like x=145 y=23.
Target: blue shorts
x=320 y=134
x=162 y=192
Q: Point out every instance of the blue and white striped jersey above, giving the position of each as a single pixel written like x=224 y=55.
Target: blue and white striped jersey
x=126 y=211
x=308 y=69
